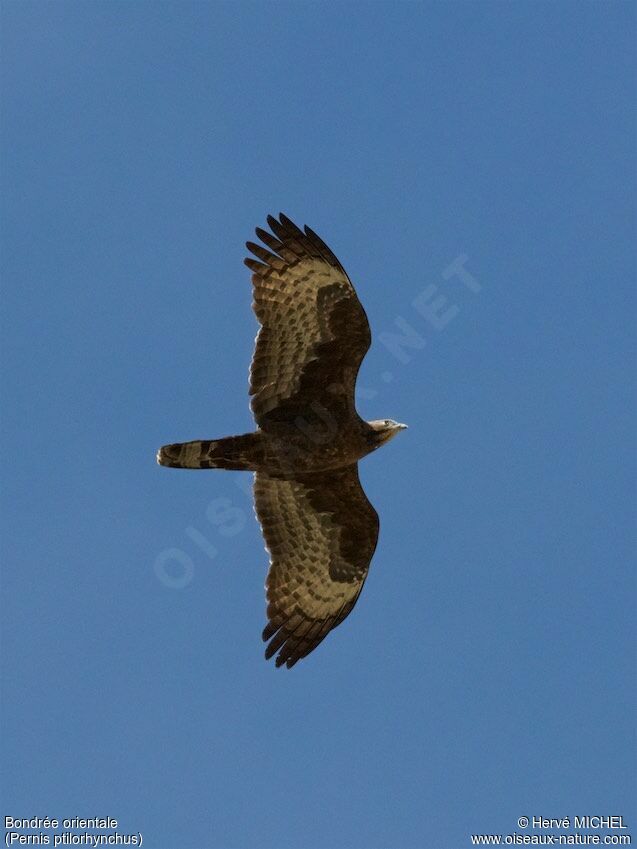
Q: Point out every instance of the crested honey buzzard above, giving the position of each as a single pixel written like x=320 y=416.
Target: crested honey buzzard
x=319 y=527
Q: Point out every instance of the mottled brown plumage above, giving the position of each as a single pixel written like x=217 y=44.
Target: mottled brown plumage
x=319 y=527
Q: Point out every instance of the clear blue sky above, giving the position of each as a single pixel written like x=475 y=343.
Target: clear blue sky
x=488 y=669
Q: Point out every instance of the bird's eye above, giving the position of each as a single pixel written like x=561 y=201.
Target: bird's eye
x=387 y=422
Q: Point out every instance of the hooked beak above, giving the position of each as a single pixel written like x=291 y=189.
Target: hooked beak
x=402 y=427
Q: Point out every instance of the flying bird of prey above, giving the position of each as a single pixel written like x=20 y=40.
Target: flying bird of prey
x=319 y=527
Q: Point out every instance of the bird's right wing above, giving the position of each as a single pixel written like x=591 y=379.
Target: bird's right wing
x=321 y=532
x=314 y=332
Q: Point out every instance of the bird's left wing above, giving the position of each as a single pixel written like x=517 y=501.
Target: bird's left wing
x=321 y=532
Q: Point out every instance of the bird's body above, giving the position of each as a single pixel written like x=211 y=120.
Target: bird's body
x=319 y=527
x=280 y=451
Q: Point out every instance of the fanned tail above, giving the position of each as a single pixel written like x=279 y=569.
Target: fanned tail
x=232 y=452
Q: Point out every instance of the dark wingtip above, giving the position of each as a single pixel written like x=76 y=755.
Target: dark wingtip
x=269 y=651
x=253 y=265
x=290 y=226
x=261 y=233
x=269 y=631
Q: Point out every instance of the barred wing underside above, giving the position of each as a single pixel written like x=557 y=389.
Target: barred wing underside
x=321 y=532
x=314 y=331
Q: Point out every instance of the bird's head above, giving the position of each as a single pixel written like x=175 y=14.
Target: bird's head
x=385 y=429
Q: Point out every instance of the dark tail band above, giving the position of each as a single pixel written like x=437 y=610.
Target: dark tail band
x=231 y=452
